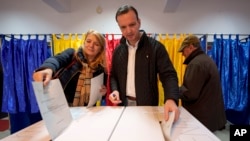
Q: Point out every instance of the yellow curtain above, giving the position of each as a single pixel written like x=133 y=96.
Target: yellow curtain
x=172 y=45
x=72 y=41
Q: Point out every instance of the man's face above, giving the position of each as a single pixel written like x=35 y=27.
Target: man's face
x=188 y=50
x=129 y=26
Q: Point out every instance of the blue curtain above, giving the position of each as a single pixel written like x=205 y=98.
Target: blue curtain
x=20 y=57
x=232 y=59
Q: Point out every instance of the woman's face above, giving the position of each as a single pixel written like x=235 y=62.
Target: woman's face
x=91 y=47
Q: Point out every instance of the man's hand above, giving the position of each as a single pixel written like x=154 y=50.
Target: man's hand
x=114 y=97
x=171 y=106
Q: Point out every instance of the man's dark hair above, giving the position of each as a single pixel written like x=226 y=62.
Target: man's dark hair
x=125 y=9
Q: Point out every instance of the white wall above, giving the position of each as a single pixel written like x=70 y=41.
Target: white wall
x=192 y=16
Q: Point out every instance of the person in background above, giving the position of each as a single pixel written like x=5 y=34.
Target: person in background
x=136 y=64
x=201 y=92
x=82 y=65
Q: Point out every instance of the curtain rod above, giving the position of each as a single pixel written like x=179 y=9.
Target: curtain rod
x=24 y=34
x=210 y=34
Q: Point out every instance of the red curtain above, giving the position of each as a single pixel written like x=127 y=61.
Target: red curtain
x=111 y=44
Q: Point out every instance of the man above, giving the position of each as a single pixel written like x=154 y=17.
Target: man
x=136 y=64
x=201 y=90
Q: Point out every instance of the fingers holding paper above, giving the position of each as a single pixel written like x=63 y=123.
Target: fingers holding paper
x=170 y=106
x=43 y=76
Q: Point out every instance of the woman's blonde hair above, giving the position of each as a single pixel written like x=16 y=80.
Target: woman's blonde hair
x=101 y=56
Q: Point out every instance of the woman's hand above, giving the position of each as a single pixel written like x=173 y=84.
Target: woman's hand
x=43 y=76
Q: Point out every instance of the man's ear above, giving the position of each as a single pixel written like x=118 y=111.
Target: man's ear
x=191 y=47
x=139 y=21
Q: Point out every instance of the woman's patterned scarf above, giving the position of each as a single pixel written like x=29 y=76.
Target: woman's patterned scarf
x=82 y=92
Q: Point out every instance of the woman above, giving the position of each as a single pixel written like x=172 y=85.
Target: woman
x=76 y=69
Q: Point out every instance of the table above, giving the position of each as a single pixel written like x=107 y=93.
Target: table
x=138 y=124
x=142 y=123
x=117 y=123
x=96 y=124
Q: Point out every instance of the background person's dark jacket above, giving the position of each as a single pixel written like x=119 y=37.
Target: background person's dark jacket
x=69 y=77
x=203 y=97
x=151 y=58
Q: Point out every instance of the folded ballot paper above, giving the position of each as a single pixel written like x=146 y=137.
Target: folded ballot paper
x=53 y=106
x=166 y=126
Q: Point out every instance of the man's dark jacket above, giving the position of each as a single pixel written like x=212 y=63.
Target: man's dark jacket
x=151 y=59
x=203 y=95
